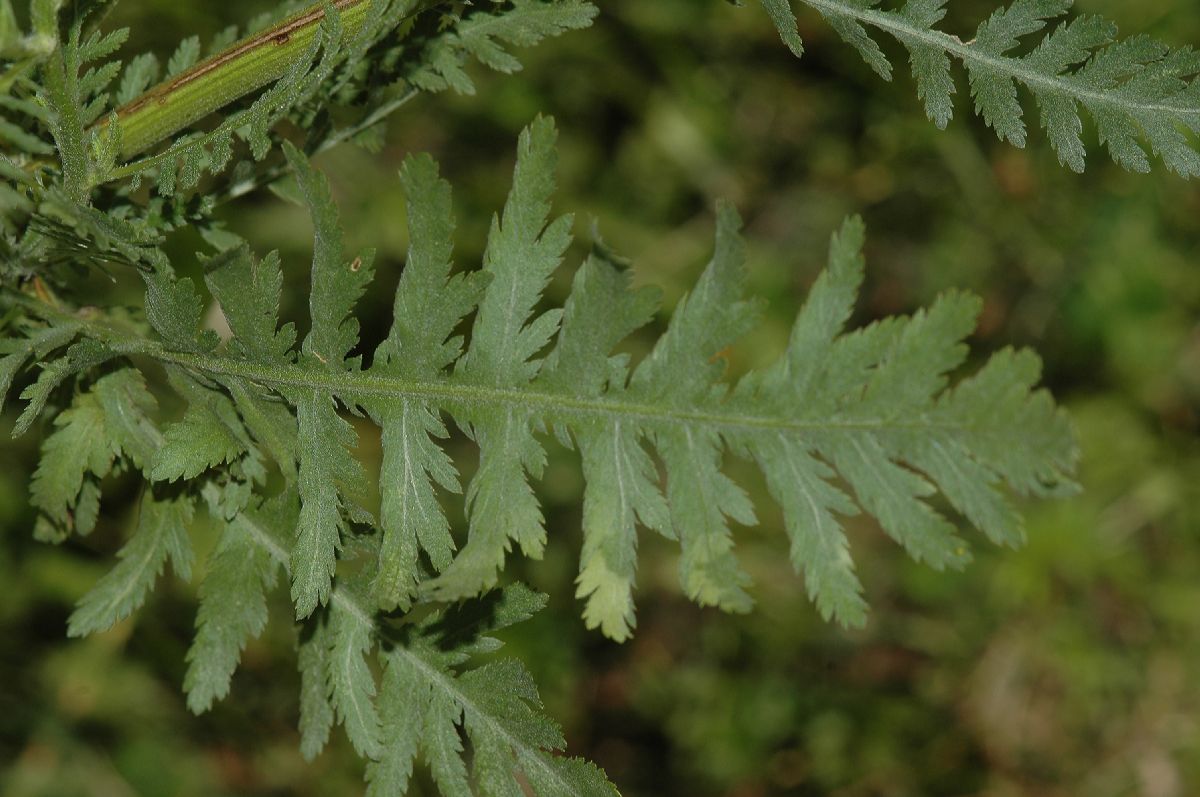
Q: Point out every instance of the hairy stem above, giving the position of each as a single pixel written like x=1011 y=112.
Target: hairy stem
x=229 y=75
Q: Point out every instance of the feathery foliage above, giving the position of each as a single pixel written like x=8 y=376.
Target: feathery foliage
x=1137 y=91
x=871 y=420
x=873 y=407
x=428 y=692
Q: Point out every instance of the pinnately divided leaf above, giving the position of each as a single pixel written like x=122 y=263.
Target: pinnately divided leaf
x=484 y=35
x=524 y=249
x=104 y=428
x=1138 y=91
x=233 y=609
x=429 y=304
x=162 y=535
x=325 y=462
x=394 y=609
x=431 y=685
x=874 y=421
x=428 y=693
x=867 y=420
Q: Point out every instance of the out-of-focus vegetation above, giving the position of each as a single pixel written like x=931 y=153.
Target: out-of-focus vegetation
x=1069 y=667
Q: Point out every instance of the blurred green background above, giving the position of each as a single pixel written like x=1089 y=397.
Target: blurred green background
x=1066 y=668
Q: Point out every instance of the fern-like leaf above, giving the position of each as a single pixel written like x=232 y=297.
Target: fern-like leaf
x=483 y=36
x=233 y=609
x=845 y=421
x=524 y=248
x=1137 y=91
x=162 y=535
x=429 y=305
x=429 y=691
x=325 y=463
x=76 y=98
x=103 y=427
x=867 y=420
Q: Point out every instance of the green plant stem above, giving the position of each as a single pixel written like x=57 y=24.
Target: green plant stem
x=233 y=73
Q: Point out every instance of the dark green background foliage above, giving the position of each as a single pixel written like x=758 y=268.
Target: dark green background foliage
x=1069 y=667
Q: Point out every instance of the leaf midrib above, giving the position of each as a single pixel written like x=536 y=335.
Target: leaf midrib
x=357 y=385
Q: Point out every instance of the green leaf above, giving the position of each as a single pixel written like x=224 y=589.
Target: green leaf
x=109 y=421
x=184 y=57
x=162 y=534
x=74 y=96
x=269 y=421
x=326 y=467
x=316 y=710
x=873 y=420
x=781 y=14
x=80 y=445
x=1136 y=90
x=248 y=291
x=680 y=372
x=352 y=687
x=411 y=516
x=994 y=91
x=210 y=433
x=849 y=26
x=930 y=63
x=19 y=351
x=620 y=477
x=128 y=406
x=484 y=37
x=524 y=24
x=428 y=680
x=141 y=71
x=337 y=283
x=524 y=248
x=866 y=420
x=324 y=462
x=430 y=303
x=175 y=310
x=199 y=441
x=61 y=94
x=233 y=609
x=795 y=478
